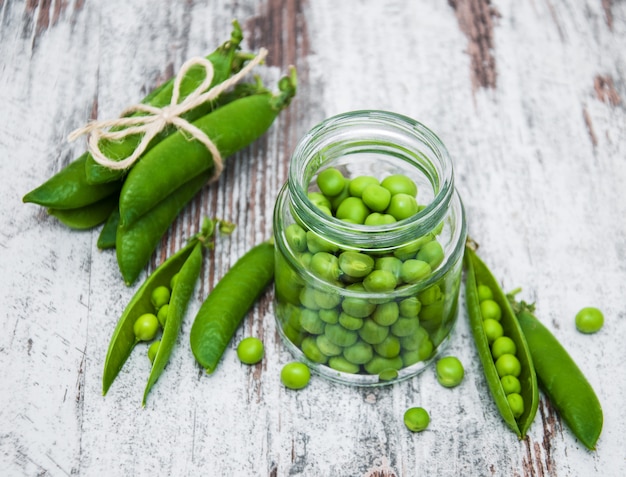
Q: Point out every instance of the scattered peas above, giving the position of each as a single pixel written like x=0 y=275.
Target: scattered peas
x=589 y=320
x=250 y=350
x=295 y=375
x=450 y=371
x=416 y=419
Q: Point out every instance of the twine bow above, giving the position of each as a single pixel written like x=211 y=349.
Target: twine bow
x=156 y=119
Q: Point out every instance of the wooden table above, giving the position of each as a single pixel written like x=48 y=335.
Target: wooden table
x=528 y=96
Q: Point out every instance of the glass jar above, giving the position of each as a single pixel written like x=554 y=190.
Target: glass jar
x=333 y=308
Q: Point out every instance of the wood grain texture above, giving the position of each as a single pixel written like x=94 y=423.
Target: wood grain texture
x=527 y=96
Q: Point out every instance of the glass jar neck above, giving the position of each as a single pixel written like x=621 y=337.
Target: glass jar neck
x=376 y=136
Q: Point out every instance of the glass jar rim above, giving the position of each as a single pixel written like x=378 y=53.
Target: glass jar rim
x=364 y=128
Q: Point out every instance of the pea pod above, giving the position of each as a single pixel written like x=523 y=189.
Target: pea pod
x=561 y=379
x=88 y=216
x=227 y=304
x=186 y=265
x=231 y=128
x=108 y=234
x=84 y=182
x=224 y=62
x=478 y=273
x=134 y=245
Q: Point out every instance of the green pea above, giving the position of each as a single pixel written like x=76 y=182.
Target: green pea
x=355 y=264
x=311 y=350
x=373 y=333
x=326 y=266
x=295 y=375
x=353 y=209
x=409 y=357
x=325 y=299
x=426 y=349
x=350 y=322
x=399 y=184
x=329 y=316
x=146 y=327
x=376 y=218
x=430 y=295
x=405 y=326
x=484 y=293
x=341 y=364
x=331 y=181
x=379 y=281
x=153 y=350
x=358 y=307
x=305 y=259
x=358 y=353
x=250 y=350
x=358 y=185
x=389 y=347
x=431 y=253
x=307 y=298
x=516 y=402
x=376 y=197
x=162 y=315
x=589 y=320
x=416 y=419
x=327 y=347
x=319 y=200
x=339 y=198
x=296 y=238
x=503 y=345
x=413 y=341
x=315 y=243
x=386 y=314
x=493 y=330
x=508 y=364
x=450 y=371
x=390 y=264
x=311 y=322
x=414 y=271
x=510 y=384
x=490 y=310
x=173 y=280
x=410 y=307
x=409 y=250
x=160 y=296
x=385 y=366
x=402 y=206
x=340 y=336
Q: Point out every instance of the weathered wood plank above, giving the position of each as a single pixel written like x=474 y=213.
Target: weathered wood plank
x=528 y=97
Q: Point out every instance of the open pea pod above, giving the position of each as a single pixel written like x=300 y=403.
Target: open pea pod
x=186 y=263
x=477 y=274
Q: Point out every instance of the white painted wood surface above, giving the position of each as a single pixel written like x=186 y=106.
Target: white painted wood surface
x=527 y=95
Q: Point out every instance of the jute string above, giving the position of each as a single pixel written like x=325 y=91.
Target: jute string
x=156 y=119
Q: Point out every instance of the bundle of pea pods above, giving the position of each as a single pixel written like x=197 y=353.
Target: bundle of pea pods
x=137 y=205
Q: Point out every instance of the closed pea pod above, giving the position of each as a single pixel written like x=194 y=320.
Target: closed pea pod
x=561 y=379
x=228 y=302
x=88 y=216
x=231 y=128
x=478 y=274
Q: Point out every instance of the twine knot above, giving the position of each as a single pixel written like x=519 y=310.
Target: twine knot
x=156 y=119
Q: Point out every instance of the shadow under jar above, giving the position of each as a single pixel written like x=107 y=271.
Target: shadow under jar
x=368 y=304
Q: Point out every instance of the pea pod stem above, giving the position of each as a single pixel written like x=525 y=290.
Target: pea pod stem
x=560 y=378
x=230 y=300
x=478 y=273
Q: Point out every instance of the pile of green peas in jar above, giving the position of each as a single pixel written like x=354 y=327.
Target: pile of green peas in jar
x=369 y=235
